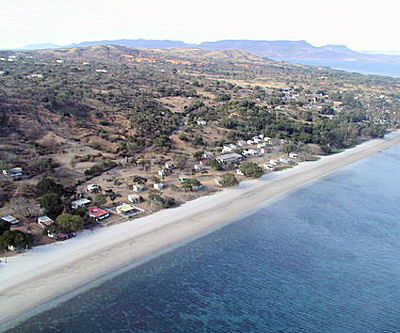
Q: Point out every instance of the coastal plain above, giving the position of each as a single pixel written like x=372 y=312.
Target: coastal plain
x=55 y=272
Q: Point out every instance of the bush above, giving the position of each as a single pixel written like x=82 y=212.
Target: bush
x=52 y=204
x=48 y=185
x=164 y=202
x=213 y=163
x=69 y=222
x=15 y=238
x=251 y=169
x=98 y=169
x=228 y=179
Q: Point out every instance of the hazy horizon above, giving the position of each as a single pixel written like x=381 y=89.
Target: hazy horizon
x=354 y=23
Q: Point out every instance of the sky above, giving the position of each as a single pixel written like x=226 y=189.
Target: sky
x=359 y=24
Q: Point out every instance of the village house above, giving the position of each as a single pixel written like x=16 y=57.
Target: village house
x=162 y=172
x=169 y=166
x=10 y=219
x=135 y=198
x=201 y=122
x=45 y=221
x=128 y=210
x=229 y=158
x=97 y=213
x=59 y=61
x=242 y=143
x=268 y=167
x=228 y=148
x=198 y=167
x=80 y=203
x=93 y=188
x=250 y=152
x=35 y=76
x=208 y=155
x=138 y=188
x=101 y=71
x=159 y=186
x=15 y=172
x=59 y=235
x=182 y=178
x=293 y=155
x=239 y=172
x=273 y=162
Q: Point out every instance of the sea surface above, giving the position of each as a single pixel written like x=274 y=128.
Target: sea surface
x=363 y=67
x=324 y=258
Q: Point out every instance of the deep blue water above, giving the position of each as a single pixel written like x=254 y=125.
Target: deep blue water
x=325 y=258
x=363 y=67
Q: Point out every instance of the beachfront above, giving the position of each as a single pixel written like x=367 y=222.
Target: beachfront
x=52 y=270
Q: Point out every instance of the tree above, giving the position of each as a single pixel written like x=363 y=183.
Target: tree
x=99 y=199
x=15 y=238
x=190 y=184
x=4 y=226
x=288 y=148
x=228 y=179
x=216 y=165
x=198 y=141
x=48 y=185
x=251 y=169
x=52 y=205
x=69 y=222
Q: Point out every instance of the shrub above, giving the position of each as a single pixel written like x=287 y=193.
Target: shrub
x=228 y=179
x=251 y=169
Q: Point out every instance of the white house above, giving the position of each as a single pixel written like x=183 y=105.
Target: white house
x=273 y=162
x=45 y=221
x=169 y=166
x=135 y=198
x=261 y=145
x=268 y=167
x=10 y=219
x=162 y=172
x=198 y=167
x=101 y=71
x=250 y=152
x=138 y=188
x=242 y=143
x=228 y=148
x=159 y=186
x=128 y=210
x=80 y=203
x=201 y=122
x=182 y=178
x=293 y=155
x=15 y=172
x=92 y=188
x=59 y=61
x=239 y=172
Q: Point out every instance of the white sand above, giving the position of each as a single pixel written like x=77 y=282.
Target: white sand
x=46 y=272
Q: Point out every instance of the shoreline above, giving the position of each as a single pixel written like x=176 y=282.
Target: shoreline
x=53 y=273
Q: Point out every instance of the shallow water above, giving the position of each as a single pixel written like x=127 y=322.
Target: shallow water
x=325 y=258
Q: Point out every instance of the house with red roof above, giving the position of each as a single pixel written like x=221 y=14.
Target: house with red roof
x=98 y=213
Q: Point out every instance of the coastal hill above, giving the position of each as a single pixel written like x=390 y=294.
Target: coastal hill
x=280 y=49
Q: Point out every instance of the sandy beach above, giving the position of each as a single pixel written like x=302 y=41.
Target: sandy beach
x=60 y=270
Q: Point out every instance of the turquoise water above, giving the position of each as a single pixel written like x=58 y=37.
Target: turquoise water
x=363 y=67
x=325 y=258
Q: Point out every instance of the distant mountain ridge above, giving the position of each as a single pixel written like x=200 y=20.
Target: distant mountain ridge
x=278 y=49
